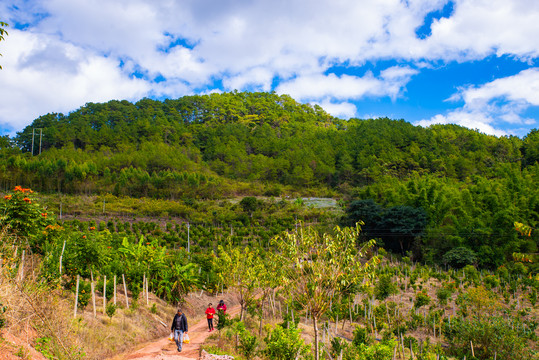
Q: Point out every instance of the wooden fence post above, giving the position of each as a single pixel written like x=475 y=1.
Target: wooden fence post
x=61 y=256
x=143 y=285
x=147 y=298
x=76 y=297
x=104 y=294
x=114 y=289
x=93 y=292
x=125 y=291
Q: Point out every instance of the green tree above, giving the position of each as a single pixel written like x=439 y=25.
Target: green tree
x=241 y=270
x=3 y=33
x=319 y=267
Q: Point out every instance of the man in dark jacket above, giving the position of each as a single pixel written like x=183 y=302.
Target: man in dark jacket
x=179 y=326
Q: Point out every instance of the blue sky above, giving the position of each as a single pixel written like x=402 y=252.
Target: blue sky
x=467 y=62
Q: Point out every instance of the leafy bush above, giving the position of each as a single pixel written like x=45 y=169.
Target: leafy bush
x=489 y=335
x=110 y=309
x=491 y=281
x=285 y=344
x=24 y=217
x=459 y=257
x=385 y=287
x=378 y=351
x=248 y=344
x=360 y=336
x=421 y=299
x=443 y=294
x=3 y=309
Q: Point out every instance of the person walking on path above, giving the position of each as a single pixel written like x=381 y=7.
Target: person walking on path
x=210 y=311
x=221 y=306
x=179 y=327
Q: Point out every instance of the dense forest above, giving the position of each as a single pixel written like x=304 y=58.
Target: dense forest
x=430 y=193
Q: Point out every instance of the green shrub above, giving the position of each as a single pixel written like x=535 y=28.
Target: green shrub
x=385 y=287
x=360 y=336
x=490 y=335
x=443 y=294
x=491 y=281
x=248 y=344
x=421 y=299
x=459 y=257
x=285 y=344
x=110 y=309
x=3 y=309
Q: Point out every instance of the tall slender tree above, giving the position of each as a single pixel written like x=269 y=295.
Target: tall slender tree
x=320 y=266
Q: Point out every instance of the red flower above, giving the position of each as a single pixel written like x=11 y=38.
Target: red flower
x=27 y=200
x=44 y=214
x=18 y=188
x=92 y=227
x=7 y=197
x=84 y=236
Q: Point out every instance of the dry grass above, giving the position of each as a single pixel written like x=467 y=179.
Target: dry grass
x=40 y=316
x=35 y=311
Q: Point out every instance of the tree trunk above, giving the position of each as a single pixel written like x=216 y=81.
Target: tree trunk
x=261 y=316
x=315 y=324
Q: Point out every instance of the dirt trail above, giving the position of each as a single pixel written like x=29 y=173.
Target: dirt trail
x=164 y=349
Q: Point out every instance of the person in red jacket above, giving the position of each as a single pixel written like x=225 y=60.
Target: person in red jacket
x=221 y=306
x=210 y=311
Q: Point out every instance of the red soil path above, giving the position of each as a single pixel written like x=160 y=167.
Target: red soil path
x=164 y=349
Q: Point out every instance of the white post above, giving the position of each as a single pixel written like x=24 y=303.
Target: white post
x=104 y=294
x=143 y=285
x=93 y=293
x=62 y=254
x=147 y=298
x=115 y=289
x=21 y=271
x=125 y=291
x=76 y=297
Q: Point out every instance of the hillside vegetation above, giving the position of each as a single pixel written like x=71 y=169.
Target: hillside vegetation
x=461 y=188
x=211 y=194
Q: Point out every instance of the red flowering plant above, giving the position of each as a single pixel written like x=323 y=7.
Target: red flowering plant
x=22 y=216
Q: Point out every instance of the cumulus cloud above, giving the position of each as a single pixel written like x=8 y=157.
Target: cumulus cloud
x=44 y=75
x=343 y=110
x=390 y=83
x=486 y=107
x=172 y=48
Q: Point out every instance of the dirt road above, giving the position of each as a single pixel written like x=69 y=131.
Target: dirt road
x=165 y=349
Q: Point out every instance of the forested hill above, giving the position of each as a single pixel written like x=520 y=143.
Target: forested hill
x=155 y=148
x=450 y=185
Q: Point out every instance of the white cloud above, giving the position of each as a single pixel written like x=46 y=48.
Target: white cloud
x=499 y=102
x=471 y=120
x=258 y=79
x=481 y=28
x=43 y=75
x=343 y=110
x=249 y=44
x=390 y=83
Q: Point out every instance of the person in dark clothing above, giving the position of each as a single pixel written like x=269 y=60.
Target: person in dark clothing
x=179 y=326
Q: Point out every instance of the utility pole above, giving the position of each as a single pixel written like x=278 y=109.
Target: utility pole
x=188 y=246
x=40 y=137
